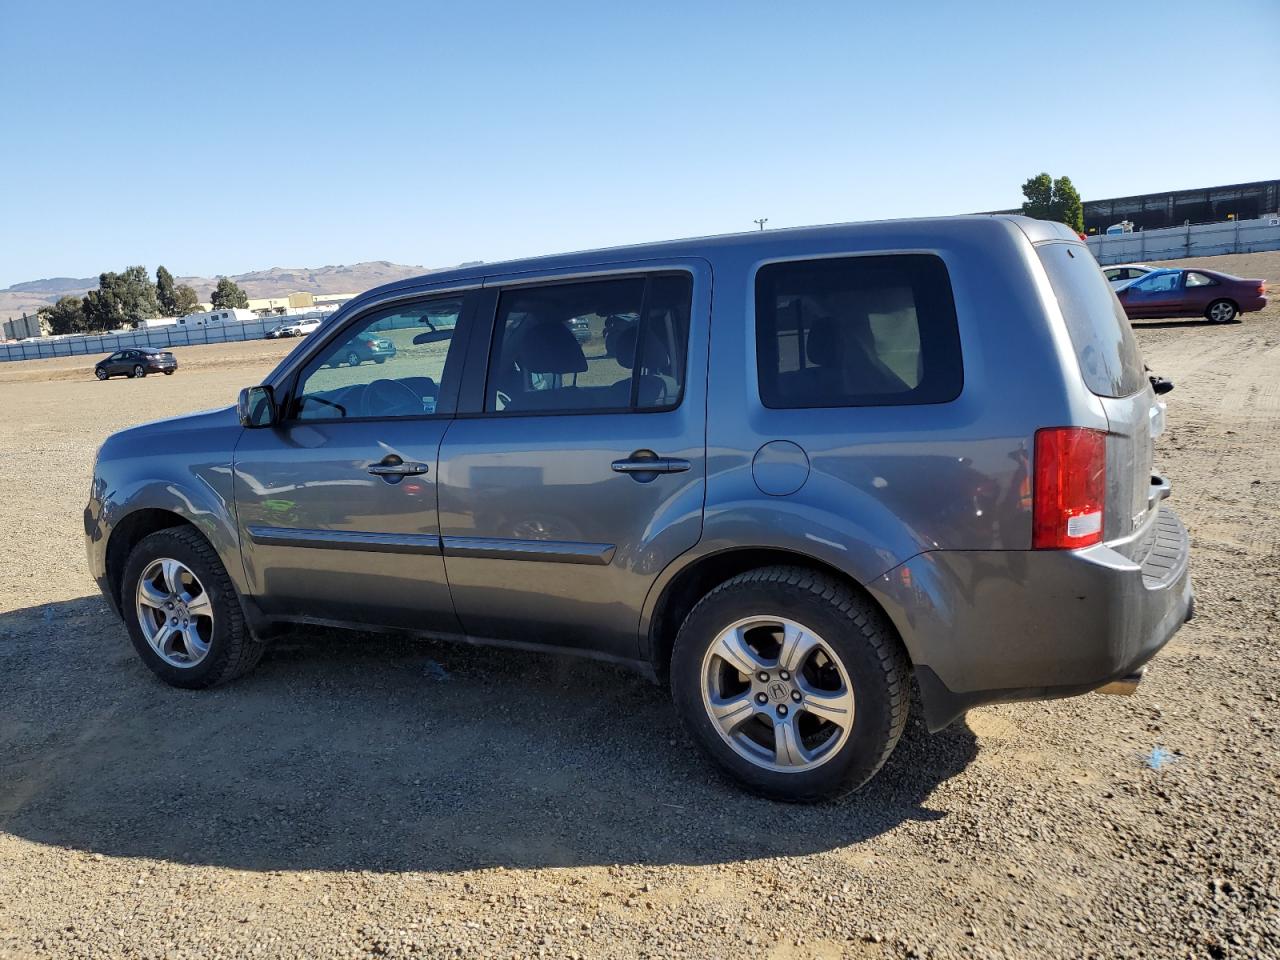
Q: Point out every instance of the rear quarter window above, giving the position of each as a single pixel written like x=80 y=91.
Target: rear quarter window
x=857 y=331
x=1105 y=348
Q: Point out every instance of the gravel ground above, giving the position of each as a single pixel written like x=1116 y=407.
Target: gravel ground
x=359 y=796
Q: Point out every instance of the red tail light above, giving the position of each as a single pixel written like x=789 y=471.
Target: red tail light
x=1262 y=288
x=1070 y=488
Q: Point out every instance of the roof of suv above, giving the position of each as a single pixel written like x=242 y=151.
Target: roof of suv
x=1035 y=230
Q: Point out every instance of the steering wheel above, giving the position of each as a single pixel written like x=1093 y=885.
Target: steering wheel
x=390 y=398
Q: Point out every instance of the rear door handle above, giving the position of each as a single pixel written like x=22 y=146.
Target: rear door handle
x=651 y=465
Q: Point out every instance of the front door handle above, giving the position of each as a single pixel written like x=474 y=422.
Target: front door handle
x=393 y=466
x=639 y=463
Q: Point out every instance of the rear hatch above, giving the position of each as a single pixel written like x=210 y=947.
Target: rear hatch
x=1111 y=366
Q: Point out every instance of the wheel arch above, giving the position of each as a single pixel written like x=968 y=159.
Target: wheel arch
x=697 y=577
x=1235 y=304
x=128 y=532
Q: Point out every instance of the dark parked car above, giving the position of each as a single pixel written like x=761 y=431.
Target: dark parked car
x=365 y=346
x=884 y=456
x=580 y=327
x=1218 y=297
x=135 y=363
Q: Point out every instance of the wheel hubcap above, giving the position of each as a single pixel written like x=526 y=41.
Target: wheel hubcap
x=174 y=612
x=777 y=694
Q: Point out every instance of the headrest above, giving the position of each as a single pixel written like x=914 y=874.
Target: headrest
x=624 y=348
x=550 y=347
x=655 y=358
x=824 y=347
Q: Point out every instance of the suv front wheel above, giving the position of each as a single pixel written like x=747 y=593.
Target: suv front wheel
x=793 y=683
x=183 y=615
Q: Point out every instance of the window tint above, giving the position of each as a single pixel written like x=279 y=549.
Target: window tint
x=608 y=345
x=857 y=331
x=389 y=365
x=1100 y=333
x=1199 y=280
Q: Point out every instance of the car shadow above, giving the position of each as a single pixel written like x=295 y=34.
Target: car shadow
x=361 y=752
x=1182 y=322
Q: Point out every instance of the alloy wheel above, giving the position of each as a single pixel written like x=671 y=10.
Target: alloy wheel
x=777 y=694
x=174 y=612
x=1221 y=312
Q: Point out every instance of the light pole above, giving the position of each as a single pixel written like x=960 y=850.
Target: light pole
x=761 y=222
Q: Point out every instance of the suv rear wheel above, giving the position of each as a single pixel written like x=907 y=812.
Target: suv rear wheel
x=792 y=682
x=183 y=615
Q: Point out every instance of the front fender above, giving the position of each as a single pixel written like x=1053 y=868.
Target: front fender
x=181 y=467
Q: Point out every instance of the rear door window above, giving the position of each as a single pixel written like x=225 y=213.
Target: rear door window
x=594 y=347
x=856 y=331
x=1100 y=333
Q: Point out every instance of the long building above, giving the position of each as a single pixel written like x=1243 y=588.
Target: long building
x=1150 y=211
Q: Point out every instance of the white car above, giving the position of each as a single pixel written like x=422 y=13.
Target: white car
x=1121 y=273
x=301 y=328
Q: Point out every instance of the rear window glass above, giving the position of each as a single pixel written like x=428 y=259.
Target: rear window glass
x=857 y=331
x=1100 y=333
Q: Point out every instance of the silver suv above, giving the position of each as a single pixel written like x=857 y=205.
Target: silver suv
x=787 y=471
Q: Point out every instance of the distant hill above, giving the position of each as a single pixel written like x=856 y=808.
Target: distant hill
x=276 y=282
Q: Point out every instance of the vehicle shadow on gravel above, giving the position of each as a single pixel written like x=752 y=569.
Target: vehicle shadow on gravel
x=347 y=752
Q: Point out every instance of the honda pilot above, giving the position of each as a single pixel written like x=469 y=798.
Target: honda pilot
x=793 y=474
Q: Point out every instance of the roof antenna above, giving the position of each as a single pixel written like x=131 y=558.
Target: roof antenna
x=761 y=222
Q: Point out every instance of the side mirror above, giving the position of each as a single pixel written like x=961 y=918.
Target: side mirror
x=256 y=407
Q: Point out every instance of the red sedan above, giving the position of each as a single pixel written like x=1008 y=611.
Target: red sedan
x=1217 y=297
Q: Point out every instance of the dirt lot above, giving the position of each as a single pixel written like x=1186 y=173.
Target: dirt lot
x=360 y=796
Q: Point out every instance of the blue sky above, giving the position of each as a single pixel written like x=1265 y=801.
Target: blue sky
x=220 y=138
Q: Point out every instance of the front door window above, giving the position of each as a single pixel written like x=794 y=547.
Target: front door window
x=390 y=365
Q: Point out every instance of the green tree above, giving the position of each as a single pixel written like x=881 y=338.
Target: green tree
x=185 y=300
x=121 y=298
x=1069 y=209
x=101 y=306
x=65 y=316
x=166 y=293
x=227 y=295
x=1049 y=199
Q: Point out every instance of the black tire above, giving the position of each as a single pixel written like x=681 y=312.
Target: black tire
x=353 y=359
x=168 y=373
x=101 y=374
x=1221 y=311
x=860 y=636
x=138 y=371
x=379 y=360
x=233 y=651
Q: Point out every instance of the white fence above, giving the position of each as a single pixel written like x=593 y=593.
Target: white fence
x=1198 y=240
x=169 y=336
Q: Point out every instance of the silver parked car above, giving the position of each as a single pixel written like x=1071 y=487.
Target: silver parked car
x=885 y=451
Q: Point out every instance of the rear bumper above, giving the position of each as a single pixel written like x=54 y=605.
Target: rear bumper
x=994 y=626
